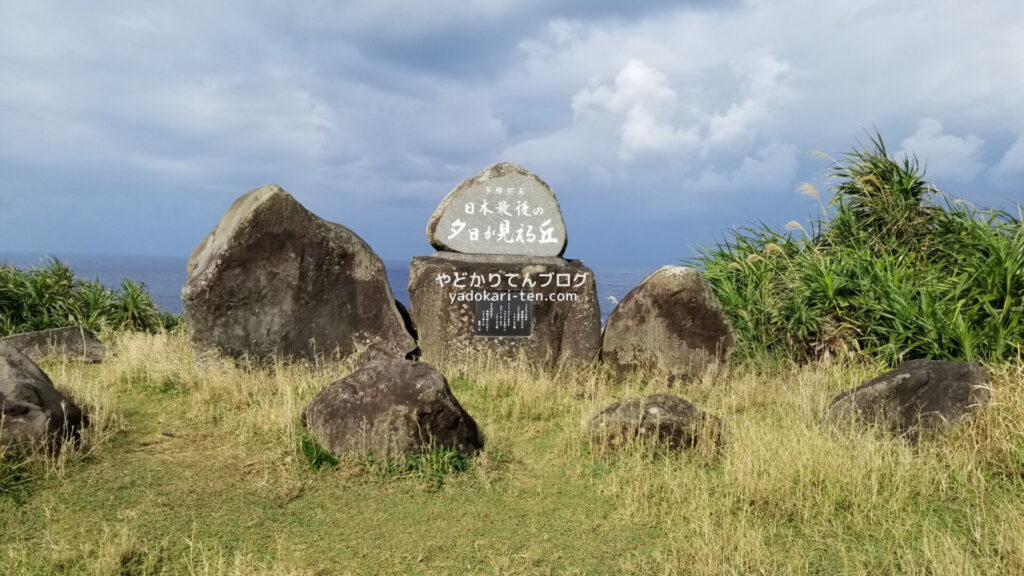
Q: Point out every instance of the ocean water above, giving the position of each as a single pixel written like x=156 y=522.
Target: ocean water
x=165 y=275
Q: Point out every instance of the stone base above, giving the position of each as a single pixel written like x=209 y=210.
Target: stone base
x=72 y=342
x=542 y=307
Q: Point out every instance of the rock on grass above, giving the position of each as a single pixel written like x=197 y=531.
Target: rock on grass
x=391 y=409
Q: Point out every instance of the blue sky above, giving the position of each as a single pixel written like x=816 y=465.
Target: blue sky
x=130 y=128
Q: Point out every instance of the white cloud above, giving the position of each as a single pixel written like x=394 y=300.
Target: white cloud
x=948 y=158
x=764 y=88
x=644 y=104
x=646 y=118
x=769 y=168
x=1010 y=169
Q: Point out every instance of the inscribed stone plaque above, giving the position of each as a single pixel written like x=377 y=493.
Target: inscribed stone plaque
x=506 y=209
x=505 y=315
x=446 y=288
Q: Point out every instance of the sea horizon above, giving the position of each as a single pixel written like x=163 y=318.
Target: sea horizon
x=164 y=275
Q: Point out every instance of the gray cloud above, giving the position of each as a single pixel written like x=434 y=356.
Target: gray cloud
x=666 y=116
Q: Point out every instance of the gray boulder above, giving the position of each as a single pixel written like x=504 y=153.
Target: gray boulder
x=917 y=397
x=274 y=278
x=671 y=323
x=662 y=418
x=391 y=408
x=461 y=303
x=32 y=411
x=73 y=343
x=506 y=209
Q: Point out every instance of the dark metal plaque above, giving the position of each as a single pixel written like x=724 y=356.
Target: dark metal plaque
x=507 y=314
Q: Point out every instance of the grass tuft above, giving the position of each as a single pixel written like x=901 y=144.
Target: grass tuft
x=315 y=455
x=432 y=467
x=14 y=477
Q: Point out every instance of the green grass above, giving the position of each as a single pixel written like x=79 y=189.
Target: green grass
x=217 y=479
x=14 y=479
x=431 y=468
x=52 y=297
x=892 y=268
x=316 y=456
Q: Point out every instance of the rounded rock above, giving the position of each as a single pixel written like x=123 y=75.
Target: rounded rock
x=391 y=409
x=671 y=323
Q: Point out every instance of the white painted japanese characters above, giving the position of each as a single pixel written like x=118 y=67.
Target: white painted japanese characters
x=506 y=209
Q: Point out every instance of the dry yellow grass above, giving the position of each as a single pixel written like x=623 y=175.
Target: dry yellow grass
x=194 y=469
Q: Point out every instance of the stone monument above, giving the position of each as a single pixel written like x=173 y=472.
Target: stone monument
x=498 y=286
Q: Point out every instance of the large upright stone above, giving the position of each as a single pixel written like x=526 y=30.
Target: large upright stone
x=506 y=209
x=485 y=306
x=274 y=278
x=32 y=412
x=671 y=323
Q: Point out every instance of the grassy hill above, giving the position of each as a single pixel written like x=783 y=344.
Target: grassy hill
x=198 y=469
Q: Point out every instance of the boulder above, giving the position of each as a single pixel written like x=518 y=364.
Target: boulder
x=506 y=209
x=392 y=409
x=273 y=278
x=671 y=323
x=661 y=418
x=543 y=309
x=918 y=396
x=72 y=342
x=32 y=411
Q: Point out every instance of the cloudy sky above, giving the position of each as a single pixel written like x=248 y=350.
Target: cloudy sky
x=130 y=128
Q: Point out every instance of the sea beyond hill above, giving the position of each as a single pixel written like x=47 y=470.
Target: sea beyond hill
x=165 y=275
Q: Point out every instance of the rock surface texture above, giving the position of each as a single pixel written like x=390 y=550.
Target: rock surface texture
x=506 y=209
x=662 y=418
x=32 y=411
x=917 y=397
x=73 y=343
x=671 y=323
x=274 y=278
x=452 y=294
x=391 y=408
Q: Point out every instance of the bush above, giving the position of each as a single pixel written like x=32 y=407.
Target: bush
x=893 y=268
x=52 y=297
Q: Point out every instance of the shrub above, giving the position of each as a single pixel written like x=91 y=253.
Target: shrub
x=893 y=268
x=52 y=297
